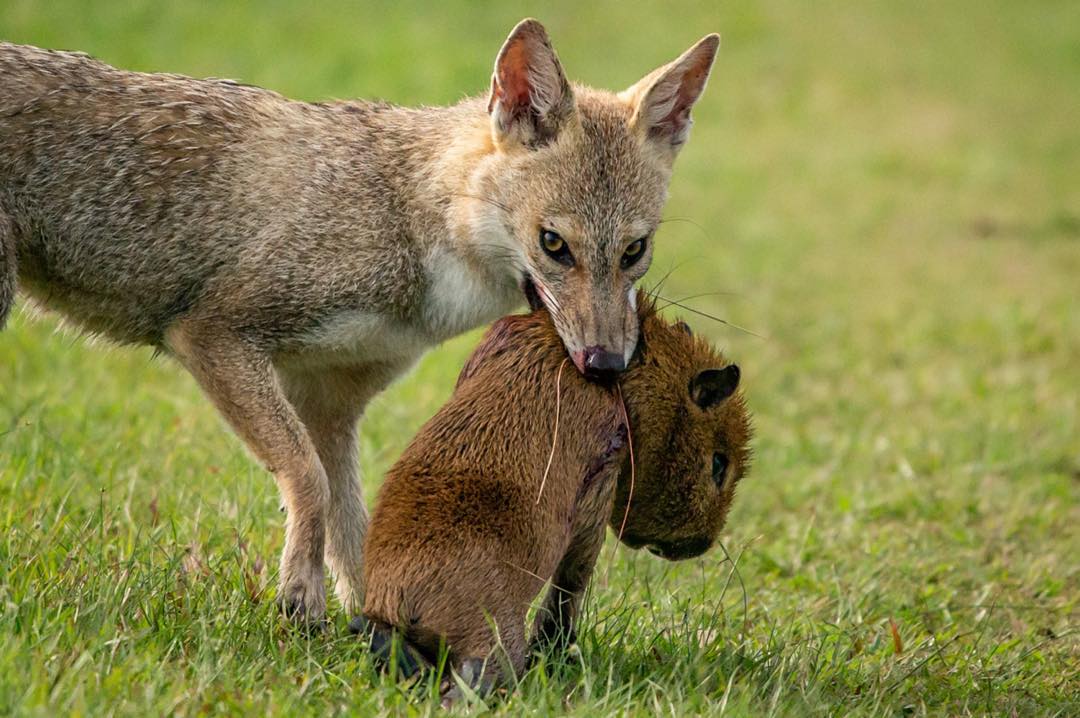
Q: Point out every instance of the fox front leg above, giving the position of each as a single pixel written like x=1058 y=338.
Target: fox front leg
x=244 y=387
x=330 y=403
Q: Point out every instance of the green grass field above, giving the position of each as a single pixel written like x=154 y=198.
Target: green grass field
x=887 y=193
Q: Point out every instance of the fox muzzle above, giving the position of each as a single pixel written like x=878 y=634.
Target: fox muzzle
x=598 y=362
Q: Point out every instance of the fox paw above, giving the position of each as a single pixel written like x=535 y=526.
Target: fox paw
x=303 y=603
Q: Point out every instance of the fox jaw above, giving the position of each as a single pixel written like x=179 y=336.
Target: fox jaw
x=571 y=193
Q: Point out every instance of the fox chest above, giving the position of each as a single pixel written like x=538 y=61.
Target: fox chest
x=457 y=297
x=462 y=295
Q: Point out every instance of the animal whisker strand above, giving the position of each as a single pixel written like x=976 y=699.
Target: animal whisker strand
x=691 y=222
x=660 y=284
x=497 y=250
x=555 y=436
x=494 y=245
x=535 y=575
x=672 y=302
x=708 y=294
x=488 y=200
x=738 y=575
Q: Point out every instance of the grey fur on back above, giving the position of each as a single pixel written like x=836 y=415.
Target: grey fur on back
x=134 y=198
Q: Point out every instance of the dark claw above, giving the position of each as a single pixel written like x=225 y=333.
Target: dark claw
x=471 y=672
x=296 y=612
x=359 y=625
x=385 y=644
x=554 y=634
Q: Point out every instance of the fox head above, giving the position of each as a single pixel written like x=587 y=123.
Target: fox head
x=574 y=184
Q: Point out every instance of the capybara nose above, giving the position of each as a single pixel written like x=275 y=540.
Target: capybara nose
x=602 y=364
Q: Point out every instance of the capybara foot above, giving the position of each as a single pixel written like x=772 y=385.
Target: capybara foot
x=389 y=648
x=472 y=673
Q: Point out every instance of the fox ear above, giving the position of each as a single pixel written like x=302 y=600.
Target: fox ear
x=530 y=97
x=663 y=98
x=712 y=386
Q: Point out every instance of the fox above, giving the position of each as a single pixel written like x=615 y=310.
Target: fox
x=296 y=258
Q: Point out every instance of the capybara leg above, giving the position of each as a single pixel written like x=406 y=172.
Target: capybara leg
x=556 y=619
x=504 y=663
x=476 y=674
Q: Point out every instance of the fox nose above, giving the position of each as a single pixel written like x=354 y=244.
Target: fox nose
x=601 y=363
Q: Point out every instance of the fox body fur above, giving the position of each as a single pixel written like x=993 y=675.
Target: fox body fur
x=297 y=257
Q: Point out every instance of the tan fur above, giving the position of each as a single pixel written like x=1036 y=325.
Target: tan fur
x=297 y=257
x=462 y=539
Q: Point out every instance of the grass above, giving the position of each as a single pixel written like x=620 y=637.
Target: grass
x=888 y=193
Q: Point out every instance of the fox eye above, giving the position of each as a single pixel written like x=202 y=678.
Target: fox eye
x=634 y=251
x=555 y=247
x=719 y=469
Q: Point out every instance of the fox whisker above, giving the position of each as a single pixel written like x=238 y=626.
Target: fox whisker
x=671 y=302
x=660 y=284
x=699 y=295
x=633 y=471
x=494 y=203
x=555 y=433
x=689 y=221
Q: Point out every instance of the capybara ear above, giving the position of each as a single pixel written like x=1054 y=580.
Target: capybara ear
x=712 y=386
x=684 y=328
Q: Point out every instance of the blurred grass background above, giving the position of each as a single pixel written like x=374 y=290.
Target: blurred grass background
x=888 y=193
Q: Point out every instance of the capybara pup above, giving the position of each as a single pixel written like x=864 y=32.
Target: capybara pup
x=512 y=482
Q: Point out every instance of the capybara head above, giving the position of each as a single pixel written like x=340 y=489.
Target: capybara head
x=690 y=433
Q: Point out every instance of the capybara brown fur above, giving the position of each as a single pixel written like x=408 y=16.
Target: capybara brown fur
x=463 y=539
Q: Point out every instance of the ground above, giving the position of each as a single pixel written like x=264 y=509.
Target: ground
x=886 y=194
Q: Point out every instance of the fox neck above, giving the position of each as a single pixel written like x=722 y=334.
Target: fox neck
x=472 y=263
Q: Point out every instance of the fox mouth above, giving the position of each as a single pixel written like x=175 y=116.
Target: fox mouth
x=594 y=363
x=531 y=295
x=536 y=302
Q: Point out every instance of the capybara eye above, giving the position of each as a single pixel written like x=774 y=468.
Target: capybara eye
x=719 y=469
x=556 y=248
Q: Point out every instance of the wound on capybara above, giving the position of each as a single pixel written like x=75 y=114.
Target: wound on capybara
x=462 y=539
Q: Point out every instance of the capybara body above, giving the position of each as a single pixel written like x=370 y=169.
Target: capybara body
x=461 y=532
x=463 y=539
